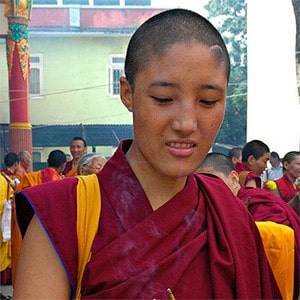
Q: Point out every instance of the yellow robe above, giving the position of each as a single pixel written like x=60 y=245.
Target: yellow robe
x=278 y=241
x=5 y=192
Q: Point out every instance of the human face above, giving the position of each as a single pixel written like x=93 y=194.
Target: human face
x=94 y=166
x=77 y=149
x=27 y=160
x=178 y=106
x=259 y=165
x=293 y=168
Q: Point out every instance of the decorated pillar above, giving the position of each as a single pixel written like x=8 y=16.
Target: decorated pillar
x=18 y=14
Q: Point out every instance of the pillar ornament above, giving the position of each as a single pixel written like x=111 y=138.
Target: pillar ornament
x=18 y=13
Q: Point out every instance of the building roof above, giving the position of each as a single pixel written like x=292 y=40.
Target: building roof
x=61 y=135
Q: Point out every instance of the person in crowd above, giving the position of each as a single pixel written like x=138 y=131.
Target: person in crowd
x=275 y=171
x=264 y=206
x=235 y=154
x=255 y=156
x=164 y=231
x=90 y=163
x=25 y=164
x=286 y=187
x=12 y=165
x=56 y=163
x=6 y=193
x=78 y=147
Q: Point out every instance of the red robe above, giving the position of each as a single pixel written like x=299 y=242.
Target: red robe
x=240 y=167
x=286 y=188
x=264 y=205
x=28 y=180
x=192 y=244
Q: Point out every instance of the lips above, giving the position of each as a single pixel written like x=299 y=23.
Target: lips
x=181 y=149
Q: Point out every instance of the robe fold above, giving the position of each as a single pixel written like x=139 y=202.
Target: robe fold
x=38 y=177
x=246 y=174
x=70 y=170
x=264 y=205
x=203 y=243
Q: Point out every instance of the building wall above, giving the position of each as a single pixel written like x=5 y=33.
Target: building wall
x=75 y=81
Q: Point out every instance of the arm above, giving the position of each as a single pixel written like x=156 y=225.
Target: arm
x=40 y=274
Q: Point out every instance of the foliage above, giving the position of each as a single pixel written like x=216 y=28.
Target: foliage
x=229 y=16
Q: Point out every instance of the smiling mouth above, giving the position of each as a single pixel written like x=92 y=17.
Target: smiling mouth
x=181 y=145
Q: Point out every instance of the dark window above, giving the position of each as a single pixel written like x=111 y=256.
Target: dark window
x=47 y=2
x=76 y=2
x=106 y=2
x=138 y=2
x=34 y=84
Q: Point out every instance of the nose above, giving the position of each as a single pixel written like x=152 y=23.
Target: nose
x=185 y=119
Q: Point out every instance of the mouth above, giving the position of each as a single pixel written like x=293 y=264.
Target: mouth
x=181 y=145
x=181 y=149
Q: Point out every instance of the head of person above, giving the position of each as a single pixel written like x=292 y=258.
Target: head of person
x=177 y=69
x=57 y=160
x=78 y=147
x=274 y=159
x=256 y=155
x=90 y=163
x=221 y=166
x=25 y=158
x=12 y=162
x=291 y=165
x=235 y=154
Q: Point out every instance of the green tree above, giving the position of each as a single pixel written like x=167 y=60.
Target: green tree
x=229 y=16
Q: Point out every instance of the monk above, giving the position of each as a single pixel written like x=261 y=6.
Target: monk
x=163 y=231
x=56 y=164
x=255 y=156
x=78 y=148
x=287 y=186
x=263 y=206
x=25 y=164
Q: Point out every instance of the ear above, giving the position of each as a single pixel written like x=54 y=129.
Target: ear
x=126 y=93
x=251 y=160
x=234 y=178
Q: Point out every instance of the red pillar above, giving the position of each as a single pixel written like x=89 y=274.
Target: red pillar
x=20 y=133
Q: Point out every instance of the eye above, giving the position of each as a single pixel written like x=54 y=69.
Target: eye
x=162 y=100
x=208 y=102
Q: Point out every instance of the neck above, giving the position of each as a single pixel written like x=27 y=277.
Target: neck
x=158 y=188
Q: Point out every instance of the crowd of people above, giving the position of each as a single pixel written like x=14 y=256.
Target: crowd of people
x=162 y=218
x=18 y=175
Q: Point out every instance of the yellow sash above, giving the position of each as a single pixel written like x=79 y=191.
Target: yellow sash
x=88 y=214
x=278 y=241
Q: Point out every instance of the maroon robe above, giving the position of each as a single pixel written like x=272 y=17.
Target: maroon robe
x=241 y=167
x=286 y=188
x=264 y=205
x=203 y=243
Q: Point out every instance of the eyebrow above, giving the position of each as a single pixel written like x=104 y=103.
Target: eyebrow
x=175 y=85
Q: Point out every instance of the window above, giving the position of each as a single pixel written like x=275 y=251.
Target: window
x=138 y=2
x=46 y=2
x=36 y=72
x=76 y=2
x=106 y=2
x=115 y=71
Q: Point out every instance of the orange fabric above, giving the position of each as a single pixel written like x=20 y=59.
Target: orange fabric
x=278 y=241
x=21 y=172
x=72 y=172
x=88 y=214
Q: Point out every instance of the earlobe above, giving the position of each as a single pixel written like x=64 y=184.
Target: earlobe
x=126 y=93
